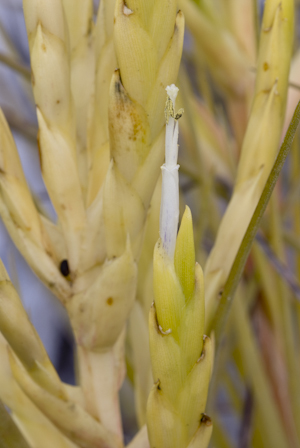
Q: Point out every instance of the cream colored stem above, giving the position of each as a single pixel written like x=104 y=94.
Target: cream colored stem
x=100 y=383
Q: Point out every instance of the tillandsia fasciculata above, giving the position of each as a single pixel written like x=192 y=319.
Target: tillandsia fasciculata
x=99 y=75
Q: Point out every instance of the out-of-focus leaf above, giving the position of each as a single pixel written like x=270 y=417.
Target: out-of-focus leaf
x=280 y=267
x=10 y=436
x=243 y=252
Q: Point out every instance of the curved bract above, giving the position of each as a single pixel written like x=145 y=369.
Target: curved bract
x=181 y=354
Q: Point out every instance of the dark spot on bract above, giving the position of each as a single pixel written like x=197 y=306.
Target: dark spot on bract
x=205 y=419
x=266 y=66
x=110 y=301
x=64 y=268
x=157 y=384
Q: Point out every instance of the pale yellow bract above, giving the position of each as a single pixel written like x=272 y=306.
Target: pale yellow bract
x=101 y=142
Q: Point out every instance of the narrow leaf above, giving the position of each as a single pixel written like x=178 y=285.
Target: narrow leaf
x=243 y=252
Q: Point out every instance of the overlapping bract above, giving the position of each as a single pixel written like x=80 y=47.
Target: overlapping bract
x=101 y=145
x=46 y=410
x=181 y=355
x=69 y=131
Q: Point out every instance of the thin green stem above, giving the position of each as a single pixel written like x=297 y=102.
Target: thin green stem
x=245 y=247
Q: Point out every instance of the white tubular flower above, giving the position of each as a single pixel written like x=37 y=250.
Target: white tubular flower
x=169 y=210
x=181 y=355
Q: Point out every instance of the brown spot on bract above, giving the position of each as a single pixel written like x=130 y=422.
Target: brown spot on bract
x=32 y=78
x=110 y=301
x=157 y=384
x=57 y=101
x=205 y=419
x=266 y=66
x=44 y=48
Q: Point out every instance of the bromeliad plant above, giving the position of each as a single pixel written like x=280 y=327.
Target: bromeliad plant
x=101 y=139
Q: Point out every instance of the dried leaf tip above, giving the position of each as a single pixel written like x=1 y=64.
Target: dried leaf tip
x=127 y=11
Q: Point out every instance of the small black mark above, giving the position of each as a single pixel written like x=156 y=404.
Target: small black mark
x=157 y=384
x=64 y=268
x=118 y=87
